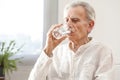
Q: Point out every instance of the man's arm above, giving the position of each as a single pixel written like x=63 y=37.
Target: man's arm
x=39 y=72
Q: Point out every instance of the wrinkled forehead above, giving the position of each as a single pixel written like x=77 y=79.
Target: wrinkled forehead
x=76 y=12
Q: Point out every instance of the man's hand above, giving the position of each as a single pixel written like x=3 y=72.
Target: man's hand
x=52 y=42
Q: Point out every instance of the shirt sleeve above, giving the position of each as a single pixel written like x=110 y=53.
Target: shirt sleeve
x=39 y=71
x=105 y=68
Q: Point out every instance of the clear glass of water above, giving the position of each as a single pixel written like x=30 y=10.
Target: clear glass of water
x=61 y=31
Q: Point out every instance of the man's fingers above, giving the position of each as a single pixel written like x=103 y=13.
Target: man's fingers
x=63 y=38
x=53 y=27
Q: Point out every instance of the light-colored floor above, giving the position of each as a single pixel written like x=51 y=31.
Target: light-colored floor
x=21 y=74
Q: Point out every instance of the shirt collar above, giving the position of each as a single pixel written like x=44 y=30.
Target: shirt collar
x=83 y=47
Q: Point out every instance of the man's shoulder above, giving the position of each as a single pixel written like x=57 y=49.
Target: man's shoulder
x=102 y=47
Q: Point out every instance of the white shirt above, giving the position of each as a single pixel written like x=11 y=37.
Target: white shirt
x=92 y=61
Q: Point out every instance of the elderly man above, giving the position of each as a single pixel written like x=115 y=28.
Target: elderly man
x=74 y=56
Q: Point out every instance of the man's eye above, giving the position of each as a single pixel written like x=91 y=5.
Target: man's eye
x=75 y=20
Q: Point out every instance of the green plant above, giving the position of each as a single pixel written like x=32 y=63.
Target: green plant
x=7 y=52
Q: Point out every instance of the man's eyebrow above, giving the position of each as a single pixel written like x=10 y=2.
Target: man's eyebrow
x=75 y=18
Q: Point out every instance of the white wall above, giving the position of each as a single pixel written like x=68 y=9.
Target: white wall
x=107 y=27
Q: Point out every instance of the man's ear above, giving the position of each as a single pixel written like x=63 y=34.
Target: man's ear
x=91 y=25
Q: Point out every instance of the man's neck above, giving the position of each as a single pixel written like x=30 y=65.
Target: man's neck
x=74 y=45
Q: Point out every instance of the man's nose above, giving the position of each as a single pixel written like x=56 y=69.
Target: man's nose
x=69 y=23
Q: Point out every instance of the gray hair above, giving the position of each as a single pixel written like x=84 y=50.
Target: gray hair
x=88 y=8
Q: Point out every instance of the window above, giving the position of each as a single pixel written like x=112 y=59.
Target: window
x=22 y=21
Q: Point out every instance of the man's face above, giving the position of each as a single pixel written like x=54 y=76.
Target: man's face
x=76 y=19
